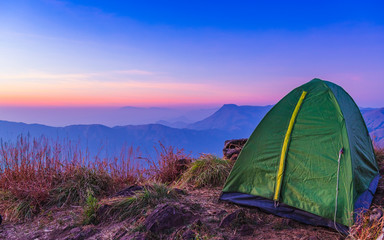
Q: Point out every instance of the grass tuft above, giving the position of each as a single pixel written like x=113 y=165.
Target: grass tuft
x=141 y=201
x=207 y=171
x=90 y=209
x=74 y=188
x=167 y=168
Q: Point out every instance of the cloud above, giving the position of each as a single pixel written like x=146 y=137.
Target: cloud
x=78 y=76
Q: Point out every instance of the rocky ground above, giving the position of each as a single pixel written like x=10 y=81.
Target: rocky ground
x=196 y=214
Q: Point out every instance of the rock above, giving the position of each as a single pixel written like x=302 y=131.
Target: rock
x=166 y=217
x=129 y=191
x=376 y=215
x=228 y=220
x=246 y=230
x=234 y=156
x=232 y=148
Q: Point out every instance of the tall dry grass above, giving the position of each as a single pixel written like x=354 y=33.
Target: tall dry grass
x=38 y=172
x=207 y=171
x=169 y=165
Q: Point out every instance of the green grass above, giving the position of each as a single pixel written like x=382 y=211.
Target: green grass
x=207 y=171
x=139 y=203
x=24 y=210
x=74 y=188
x=90 y=209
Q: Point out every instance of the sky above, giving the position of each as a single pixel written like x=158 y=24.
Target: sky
x=186 y=53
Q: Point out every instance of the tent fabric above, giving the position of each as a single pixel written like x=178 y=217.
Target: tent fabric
x=327 y=122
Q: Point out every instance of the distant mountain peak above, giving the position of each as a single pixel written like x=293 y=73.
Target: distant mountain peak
x=230 y=105
x=231 y=117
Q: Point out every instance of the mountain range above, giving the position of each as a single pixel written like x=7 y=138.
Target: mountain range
x=204 y=136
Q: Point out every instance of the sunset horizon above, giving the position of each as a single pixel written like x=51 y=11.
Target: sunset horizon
x=96 y=54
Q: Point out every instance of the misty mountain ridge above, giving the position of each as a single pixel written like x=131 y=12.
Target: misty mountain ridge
x=205 y=136
x=109 y=116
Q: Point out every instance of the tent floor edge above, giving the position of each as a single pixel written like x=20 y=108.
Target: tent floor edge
x=282 y=210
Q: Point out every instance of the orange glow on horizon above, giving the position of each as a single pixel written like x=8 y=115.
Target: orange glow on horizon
x=79 y=101
x=64 y=92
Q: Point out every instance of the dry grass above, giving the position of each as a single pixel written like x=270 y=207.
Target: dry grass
x=379 y=153
x=35 y=173
x=166 y=168
x=366 y=228
x=141 y=201
x=207 y=171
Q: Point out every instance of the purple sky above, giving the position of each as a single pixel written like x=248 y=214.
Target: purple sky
x=110 y=53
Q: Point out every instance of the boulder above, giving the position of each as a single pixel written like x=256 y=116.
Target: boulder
x=233 y=147
x=246 y=230
x=230 y=218
x=166 y=217
x=376 y=215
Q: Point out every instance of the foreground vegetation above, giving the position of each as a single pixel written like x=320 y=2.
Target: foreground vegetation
x=38 y=175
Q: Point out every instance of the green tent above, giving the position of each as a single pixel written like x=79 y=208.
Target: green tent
x=309 y=159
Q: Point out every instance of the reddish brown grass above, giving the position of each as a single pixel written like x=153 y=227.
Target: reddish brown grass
x=36 y=171
x=167 y=168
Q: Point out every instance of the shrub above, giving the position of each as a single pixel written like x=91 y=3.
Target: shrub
x=207 y=171
x=138 y=204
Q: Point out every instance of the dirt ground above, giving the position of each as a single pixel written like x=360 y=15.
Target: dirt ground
x=64 y=224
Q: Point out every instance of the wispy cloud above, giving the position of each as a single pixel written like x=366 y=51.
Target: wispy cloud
x=106 y=76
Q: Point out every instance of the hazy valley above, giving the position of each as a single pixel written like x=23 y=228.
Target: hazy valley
x=204 y=136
